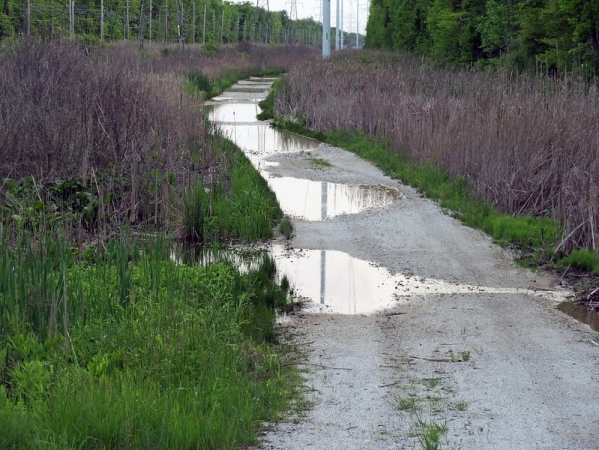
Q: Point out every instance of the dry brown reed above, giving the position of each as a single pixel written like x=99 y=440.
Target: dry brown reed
x=116 y=119
x=527 y=144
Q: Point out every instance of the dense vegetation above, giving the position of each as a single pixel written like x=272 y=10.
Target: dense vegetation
x=524 y=145
x=546 y=35
x=112 y=333
x=195 y=21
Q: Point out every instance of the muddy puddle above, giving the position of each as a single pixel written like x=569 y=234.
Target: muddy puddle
x=335 y=282
x=581 y=313
x=321 y=200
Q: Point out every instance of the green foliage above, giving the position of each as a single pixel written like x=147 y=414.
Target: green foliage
x=582 y=259
x=286 y=228
x=521 y=33
x=268 y=104
x=240 y=206
x=184 y=362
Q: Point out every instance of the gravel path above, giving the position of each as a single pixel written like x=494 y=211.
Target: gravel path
x=531 y=375
x=469 y=343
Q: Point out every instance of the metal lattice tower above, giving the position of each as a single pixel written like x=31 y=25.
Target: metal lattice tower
x=263 y=4
x=293 y=12
x=318 y=8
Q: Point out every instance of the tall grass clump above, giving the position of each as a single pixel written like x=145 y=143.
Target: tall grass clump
x=238 y=205
x=525 y=144
x=135 y=350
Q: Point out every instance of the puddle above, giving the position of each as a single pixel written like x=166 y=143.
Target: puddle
x=233 y=112
x=335 y=282
x=261 y=140
x=321 y=200
x=244 y=259
x=581 y=313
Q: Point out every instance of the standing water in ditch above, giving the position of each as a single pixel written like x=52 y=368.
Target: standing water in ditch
x=364 y=288
x=333 y=281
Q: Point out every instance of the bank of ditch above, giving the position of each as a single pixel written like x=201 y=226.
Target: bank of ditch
x=113 y=332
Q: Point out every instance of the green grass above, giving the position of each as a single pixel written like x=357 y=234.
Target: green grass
x=319 y=162
x=268 y=104
x=582 y=259
x=286 y=228
x=135 y=351
x=239 y=206
x=429 y=433
x=535 y=236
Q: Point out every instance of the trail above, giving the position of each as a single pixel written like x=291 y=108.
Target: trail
x=467 y=339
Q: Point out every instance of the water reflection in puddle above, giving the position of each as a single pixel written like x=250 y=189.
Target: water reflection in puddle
x=321 y=200
x=335 y=282
x=581 y=313
x=261 y=140
x=233 y=112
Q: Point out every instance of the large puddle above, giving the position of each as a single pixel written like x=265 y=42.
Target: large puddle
x=300 y=198
x=321 y=200
x=335 y=282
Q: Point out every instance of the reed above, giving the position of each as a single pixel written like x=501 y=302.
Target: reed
x=136 y=350
x=525 y=144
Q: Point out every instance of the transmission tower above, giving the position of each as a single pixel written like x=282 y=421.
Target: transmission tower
x=263 y=4
x=293 y=9
x=318 y=9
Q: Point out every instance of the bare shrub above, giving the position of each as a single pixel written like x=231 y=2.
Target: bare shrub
x=527 y=144
x=119 y=121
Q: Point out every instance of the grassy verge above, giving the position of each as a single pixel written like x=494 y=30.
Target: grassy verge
x=268 y=104
x=135 y=350
x=535 y=237
x=237 y=206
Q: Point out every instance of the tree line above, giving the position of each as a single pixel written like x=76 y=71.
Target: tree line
x=192 y=21
x=556 y=36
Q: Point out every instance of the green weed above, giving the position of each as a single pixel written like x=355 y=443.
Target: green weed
x=582 y=259
x=429 y=433
x=319 y=162
x=268 y=104
x=136 y=350
x=286 y=228
x=461 y=405
x=407 y=404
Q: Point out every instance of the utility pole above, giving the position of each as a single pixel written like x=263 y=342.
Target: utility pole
x=358 y=24
x=166 y=21
x=150 y=37
x=72 y=19
x=180 y=26
x=193 y=14
x=222 y=26
x=326 y=29
x=126 y=20
x=140 y=36
x=342 y=25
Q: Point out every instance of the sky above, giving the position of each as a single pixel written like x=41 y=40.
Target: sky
x=311 y=8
